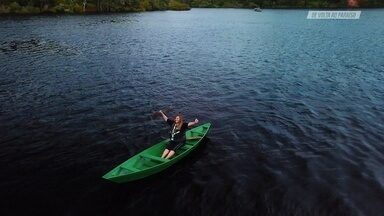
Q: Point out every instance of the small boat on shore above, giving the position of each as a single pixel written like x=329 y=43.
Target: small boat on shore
x=149 y=161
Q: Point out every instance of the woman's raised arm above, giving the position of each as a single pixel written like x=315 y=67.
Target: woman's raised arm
x=193 y=123
x=163 y=115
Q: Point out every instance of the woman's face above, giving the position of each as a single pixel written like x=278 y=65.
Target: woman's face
x=177 y=119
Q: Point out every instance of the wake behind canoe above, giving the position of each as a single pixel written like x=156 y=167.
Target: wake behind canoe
x=149 y=161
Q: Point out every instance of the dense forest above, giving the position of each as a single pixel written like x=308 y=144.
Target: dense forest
x=95 y=6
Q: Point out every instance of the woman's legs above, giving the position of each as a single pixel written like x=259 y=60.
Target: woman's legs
x=171 y=153
x=166 y=151
x=167 y=154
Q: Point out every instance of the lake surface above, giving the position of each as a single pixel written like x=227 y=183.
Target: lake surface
x=297 y=108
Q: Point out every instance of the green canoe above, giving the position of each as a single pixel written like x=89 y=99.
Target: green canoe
x=149 y=161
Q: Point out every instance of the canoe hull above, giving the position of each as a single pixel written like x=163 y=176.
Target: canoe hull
x=149 y=161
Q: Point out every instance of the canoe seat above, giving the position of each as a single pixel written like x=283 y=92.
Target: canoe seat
x=194 y=138
x=154 y=157
x=132 y=169
x=197 y=133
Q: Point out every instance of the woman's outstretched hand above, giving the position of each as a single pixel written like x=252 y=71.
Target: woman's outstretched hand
x=163 y=115
x=190 y=124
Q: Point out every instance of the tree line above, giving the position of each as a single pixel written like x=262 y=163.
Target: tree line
x=87 y=6
x=94 y=6
x=284 y=3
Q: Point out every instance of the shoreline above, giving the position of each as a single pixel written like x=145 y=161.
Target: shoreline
x=49 y=14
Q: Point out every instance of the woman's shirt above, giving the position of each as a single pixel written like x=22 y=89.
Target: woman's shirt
x=177 y=135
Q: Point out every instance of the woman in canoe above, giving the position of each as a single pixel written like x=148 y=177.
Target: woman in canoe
x=176 y=135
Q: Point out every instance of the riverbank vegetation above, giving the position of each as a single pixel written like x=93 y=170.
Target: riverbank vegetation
x=105 y=6
x=287 y=3
x=87 y=6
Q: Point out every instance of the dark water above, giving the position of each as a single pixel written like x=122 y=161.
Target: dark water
x=297 y=108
